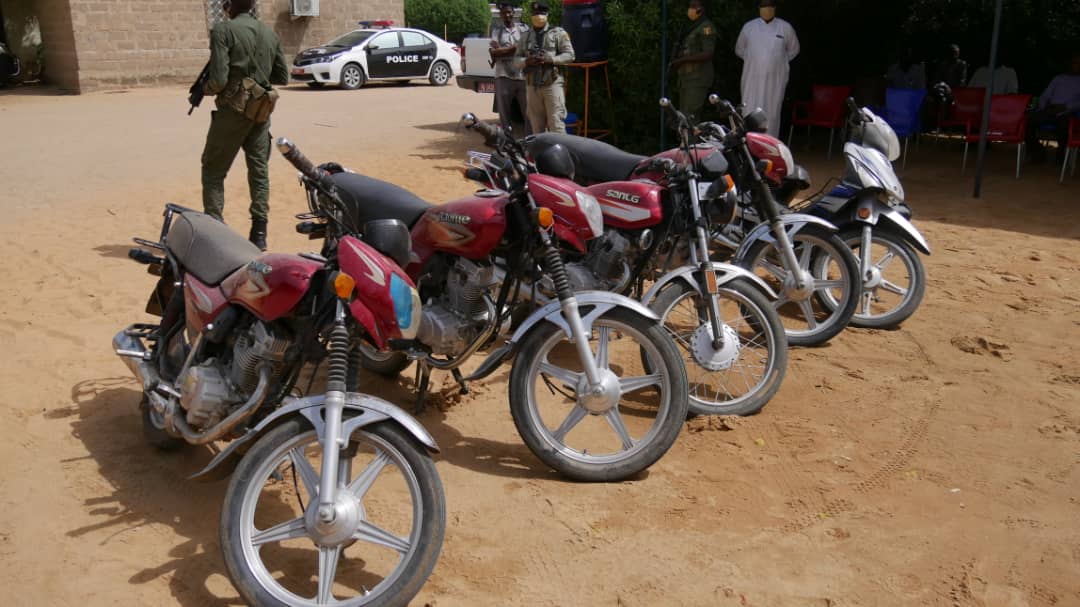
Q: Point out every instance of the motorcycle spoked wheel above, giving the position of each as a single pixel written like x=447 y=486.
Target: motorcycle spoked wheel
x=379 y=554
x=746 y=372
x=604 y=437
x=895 y=291
x=807 y=321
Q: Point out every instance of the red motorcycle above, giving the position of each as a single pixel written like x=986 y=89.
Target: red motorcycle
x=343 y=475
x=815 y=303
x=598 y=390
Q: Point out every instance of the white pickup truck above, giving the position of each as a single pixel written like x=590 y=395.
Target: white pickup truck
x=477 y=70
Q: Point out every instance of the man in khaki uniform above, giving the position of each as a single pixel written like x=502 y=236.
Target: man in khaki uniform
x=693 y=61
x=240 y=48
x=541 y=50
x=509 y=81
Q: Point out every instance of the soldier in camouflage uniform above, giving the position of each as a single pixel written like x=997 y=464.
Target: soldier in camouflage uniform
x=693 y=61
x=540 y=51
x=240 y=47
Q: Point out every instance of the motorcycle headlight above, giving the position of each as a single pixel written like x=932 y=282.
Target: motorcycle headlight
x=591 y=207
x=406 y=306
x=785 y=155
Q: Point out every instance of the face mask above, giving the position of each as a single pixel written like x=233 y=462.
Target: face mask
x=539 y=21
x=767 y=12
x=693 y=14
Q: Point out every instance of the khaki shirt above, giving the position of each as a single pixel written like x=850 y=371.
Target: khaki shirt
x=700 y=39
x=505 y=37
x=231 y=60
x=555 y=44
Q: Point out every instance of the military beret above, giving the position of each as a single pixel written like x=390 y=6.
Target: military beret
x=539 y=6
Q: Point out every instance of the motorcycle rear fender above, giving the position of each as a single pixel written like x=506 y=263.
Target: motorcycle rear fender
x=883 y=214
x=725 y=272
x=367 y=409
x=793 y=222
x=601 y=302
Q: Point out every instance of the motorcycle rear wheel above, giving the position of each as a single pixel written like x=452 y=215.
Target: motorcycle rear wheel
x=279 y=468
x=751 y=365
x=646 y=399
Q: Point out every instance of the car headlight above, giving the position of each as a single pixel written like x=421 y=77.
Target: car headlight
x=406 y=306
x=591 y=207
x=327 y=58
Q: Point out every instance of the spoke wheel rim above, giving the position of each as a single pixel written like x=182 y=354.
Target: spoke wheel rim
x=250 y=502
x=696 y=373
x=893 y=252
x=611 y=418
x=819 y=273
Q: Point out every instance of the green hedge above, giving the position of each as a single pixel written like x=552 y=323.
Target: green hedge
x=458 y=18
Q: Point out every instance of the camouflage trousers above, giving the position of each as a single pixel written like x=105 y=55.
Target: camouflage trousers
x=547 y=107
x=229 y=132
x=692 y=95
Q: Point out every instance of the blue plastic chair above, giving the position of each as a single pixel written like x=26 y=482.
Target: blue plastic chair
x=903 y=112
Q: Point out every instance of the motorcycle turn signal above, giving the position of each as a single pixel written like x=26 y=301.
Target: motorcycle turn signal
x=344 y=285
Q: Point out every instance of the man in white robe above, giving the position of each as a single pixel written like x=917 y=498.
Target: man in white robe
x=766 y=45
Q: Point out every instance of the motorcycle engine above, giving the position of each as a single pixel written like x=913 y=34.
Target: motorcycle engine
x=451 y=321
x=605 y=267
x=211 y=389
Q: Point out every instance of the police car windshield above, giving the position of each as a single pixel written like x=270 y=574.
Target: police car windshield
x=351 y=39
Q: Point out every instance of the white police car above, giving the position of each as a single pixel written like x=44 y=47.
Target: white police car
x=378 y=52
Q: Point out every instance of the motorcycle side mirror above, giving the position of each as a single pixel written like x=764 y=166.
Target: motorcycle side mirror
x=665 y=102
x=469 y=120
x=714 y=99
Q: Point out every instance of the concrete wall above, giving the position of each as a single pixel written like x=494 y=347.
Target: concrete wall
x=61 y=56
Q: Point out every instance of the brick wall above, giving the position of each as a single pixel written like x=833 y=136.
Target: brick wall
x=124 y=43
x=335 y=18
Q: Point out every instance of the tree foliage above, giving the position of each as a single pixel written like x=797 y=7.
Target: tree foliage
x=842 y=40
x=460 y=18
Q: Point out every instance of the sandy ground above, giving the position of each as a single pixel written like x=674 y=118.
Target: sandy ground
x=938 y=464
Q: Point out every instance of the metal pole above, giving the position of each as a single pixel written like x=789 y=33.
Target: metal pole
x=986 y=102
x=663 y=65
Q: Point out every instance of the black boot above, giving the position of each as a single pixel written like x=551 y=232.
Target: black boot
x=258 y=233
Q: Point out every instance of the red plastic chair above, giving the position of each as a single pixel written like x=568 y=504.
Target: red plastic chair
x=825 y=109
x=1008 y=124
x=966 y=110
x=1070 y=147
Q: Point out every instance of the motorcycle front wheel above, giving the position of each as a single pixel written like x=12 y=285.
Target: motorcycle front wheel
x=380 y=549
x=608 y=435
x=808 y=320
x=742 y=375
x=894 y=286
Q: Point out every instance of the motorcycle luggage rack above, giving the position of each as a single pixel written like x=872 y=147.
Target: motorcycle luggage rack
x=142 y=242
x=141 y=331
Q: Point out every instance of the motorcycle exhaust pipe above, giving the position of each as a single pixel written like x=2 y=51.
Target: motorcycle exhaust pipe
x=130 y=350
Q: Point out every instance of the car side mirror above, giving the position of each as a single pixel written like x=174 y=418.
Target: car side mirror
x=372 y=47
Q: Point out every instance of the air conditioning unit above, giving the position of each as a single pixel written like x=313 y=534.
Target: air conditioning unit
x=304 y=8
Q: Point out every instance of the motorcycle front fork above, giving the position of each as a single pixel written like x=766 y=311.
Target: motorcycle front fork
x=699 y=256
x=570 y=311
x=334 y=409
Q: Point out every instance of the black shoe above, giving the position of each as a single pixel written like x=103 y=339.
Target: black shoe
x=258 y=233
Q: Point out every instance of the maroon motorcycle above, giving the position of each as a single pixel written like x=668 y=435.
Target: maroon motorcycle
x=344 y=476
x=597 y=389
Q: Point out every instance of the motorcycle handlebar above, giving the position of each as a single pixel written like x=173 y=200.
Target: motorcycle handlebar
x=293 y=154
x=489 y=132
x=856 y=113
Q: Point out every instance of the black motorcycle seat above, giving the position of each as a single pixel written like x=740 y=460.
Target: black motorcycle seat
x=208 y=248
x=368 y=198
x=594 y=161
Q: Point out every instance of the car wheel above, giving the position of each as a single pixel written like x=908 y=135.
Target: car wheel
x=440 y=73
x=352 y=77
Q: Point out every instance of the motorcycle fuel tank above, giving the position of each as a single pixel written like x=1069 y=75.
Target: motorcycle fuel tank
x=629 y=204
x=272 y=285
x=470 y=227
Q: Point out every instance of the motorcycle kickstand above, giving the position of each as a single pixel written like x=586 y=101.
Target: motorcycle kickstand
x=460 y=380
x=423 y=378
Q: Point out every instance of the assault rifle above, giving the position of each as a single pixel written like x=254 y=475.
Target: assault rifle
x=196 y=92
